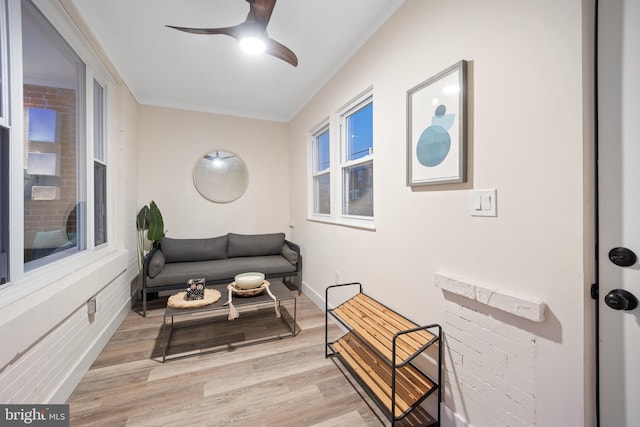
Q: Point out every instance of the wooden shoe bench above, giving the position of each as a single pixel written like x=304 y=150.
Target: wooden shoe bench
x=380 y=350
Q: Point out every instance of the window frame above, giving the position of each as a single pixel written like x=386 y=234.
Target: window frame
x=346 y=164
x=24 y=281
x=339 y=163
x=4 y=60
x=5 y=138
x=81 y=124
x=99 y=158
x=317 y=173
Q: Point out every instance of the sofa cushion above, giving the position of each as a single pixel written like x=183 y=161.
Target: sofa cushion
x=178 y=273
x=269 y=265
x=181 y=250
x=241 y=245
x=289 y=254
x=156 y=263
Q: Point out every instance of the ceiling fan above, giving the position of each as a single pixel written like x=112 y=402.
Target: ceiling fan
x=252 y=33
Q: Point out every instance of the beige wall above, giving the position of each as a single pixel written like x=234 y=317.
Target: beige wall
x=172 y=141
x=525 y=139
x=125 y=205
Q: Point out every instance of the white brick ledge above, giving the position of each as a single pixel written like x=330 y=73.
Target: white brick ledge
x=528 y=308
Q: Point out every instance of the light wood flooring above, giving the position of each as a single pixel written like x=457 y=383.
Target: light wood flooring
x=286 y=382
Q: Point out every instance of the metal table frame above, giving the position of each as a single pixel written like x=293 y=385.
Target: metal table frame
x=277 y=288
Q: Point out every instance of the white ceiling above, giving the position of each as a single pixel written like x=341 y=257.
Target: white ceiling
x=165 y=67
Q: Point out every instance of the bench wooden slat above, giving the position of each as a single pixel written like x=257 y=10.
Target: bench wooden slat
x=376 y=374
x=403 y=322
x=361 y=370
x=377 y=324
x=392 y=322
x=367 y=349
x=379 y=341
x=409 y=383
x=368 y=322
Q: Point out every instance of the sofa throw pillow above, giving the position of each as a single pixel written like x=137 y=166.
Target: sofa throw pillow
x=289 y=254
x=254 y=244
x=155 y=264
x=185 y=250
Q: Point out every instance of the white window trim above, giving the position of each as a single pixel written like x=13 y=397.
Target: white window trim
x=4 y=69
x=98 y=71
x=24 y=282
x=324 y=127
x=107 y=115
x=16 y=121
x=358 y=103
x=337 y=156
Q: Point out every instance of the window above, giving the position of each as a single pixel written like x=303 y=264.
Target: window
x=4 y=205
x=4 y=153
x=99 y=167
x=347 y=181
x=357 y=163
x=54 y=171
x=53 y=115
x=321 y=172
x=3 y=62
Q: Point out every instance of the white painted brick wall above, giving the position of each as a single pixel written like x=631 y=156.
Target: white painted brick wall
x=525 y=307
x=490 y=370
x=39 y=373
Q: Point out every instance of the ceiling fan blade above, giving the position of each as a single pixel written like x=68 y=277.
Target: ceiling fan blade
x=281 y=51
x=229 y=31
x=260 y=11
x=255 y=25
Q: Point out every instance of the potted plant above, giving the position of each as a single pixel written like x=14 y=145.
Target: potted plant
x=149 y=220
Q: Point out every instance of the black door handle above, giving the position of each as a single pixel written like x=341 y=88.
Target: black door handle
x=622 y=257
x=619 y=299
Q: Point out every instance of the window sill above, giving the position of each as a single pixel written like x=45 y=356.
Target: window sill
x=65 y=269
x=351 y=223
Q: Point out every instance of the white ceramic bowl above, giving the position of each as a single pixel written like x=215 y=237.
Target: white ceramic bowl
x=249 y=280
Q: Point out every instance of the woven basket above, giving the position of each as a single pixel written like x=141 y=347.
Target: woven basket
x=233 y=289
x=248 y=292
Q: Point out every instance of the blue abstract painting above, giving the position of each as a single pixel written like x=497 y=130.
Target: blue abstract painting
x=434 y=142
x=435 y=123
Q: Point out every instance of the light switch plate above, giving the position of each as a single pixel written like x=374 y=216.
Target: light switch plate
x=483 y=202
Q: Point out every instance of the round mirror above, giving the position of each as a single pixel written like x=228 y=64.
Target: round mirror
x=221 y=176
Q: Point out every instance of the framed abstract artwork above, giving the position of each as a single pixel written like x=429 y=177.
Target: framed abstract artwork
x=436 y=128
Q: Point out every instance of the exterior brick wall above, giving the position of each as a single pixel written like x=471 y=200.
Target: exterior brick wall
x=47 y=215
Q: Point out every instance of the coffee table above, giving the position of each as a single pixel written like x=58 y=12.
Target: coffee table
x=277 y=288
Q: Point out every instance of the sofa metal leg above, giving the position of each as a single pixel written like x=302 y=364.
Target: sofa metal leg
x=144 y=303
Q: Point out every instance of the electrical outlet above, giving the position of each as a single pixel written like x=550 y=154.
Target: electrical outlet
x=337 y=277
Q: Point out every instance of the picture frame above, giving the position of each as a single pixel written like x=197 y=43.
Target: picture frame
x=436 y=128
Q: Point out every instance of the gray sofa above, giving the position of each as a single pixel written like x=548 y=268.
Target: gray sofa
x=218 y=260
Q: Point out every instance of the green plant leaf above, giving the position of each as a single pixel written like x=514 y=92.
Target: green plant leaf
x=143 y=219
x=156 y=225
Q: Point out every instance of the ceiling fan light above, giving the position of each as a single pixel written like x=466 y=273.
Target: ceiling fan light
x=252 y=45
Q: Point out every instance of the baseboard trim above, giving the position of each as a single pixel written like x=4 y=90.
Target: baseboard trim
x=316 y=298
